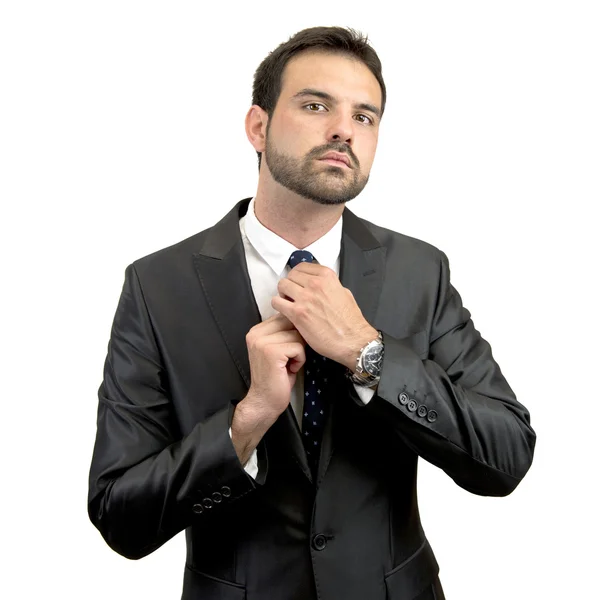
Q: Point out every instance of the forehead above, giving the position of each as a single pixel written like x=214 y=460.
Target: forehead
x=340 y=75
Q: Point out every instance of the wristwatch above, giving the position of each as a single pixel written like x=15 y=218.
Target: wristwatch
x=368 y=363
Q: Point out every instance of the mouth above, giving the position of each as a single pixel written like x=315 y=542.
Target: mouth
x=335 y=162
x=337 y=158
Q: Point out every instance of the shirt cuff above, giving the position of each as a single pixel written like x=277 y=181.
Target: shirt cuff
x=364 y=393
x=251 y=467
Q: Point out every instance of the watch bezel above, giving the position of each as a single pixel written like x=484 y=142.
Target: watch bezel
x=372 y=358
x=363 y=375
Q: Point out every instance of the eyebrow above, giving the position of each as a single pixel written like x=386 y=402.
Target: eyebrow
x=330 y=98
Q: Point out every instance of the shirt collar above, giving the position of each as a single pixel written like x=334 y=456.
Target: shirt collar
x=276 y=251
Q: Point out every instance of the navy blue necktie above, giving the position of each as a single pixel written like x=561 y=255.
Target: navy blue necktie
x=317 y=372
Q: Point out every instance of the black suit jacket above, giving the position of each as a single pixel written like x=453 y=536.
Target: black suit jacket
x=177 y=364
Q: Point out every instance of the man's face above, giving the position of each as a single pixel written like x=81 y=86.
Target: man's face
x=328 y=103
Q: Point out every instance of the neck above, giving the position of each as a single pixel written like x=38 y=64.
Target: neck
x=296 y=219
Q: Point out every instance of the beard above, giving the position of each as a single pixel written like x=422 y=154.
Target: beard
x=325 y=183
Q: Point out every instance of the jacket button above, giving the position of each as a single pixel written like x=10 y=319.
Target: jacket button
x=319 y=542
x=217 y=497
x=207 y=503
x=432 y=416
x=403 y=398
x=422 y=410
x=412 y=405
x=226 y=491
x=197 y=508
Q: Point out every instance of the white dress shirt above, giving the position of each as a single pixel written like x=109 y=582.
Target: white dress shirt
x=267 y=255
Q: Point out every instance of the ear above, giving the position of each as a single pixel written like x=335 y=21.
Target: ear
x=256 y=127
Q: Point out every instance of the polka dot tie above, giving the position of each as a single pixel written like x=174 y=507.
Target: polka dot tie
x=317 y=372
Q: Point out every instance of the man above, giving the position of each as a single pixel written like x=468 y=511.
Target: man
x=271 y=381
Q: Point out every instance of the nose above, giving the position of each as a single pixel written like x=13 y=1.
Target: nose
x=341 y=129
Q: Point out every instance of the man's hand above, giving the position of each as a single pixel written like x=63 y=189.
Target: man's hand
x=276 y=354
x=324 y=312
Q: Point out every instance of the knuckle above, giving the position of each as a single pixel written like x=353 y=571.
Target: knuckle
x=300 y=312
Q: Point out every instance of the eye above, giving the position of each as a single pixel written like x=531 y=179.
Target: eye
x=368 y=119
x=314 y=104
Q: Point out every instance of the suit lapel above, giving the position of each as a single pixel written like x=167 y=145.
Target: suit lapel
x=223 y=273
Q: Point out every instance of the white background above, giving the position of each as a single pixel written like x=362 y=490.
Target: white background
x=122 y=132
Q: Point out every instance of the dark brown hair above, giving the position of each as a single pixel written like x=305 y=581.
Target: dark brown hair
x=338 y=40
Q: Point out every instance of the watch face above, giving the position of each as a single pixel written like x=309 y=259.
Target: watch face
x=372 y=360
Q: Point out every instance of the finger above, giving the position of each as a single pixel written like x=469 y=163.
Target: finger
x=285 y=287
x=284 y=337
x=277 y=322
x=296 y=354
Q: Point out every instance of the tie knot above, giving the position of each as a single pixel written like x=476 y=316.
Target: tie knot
x=299 y=256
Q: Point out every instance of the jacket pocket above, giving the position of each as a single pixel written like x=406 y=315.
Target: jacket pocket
x=199 y=585
x=413 y=576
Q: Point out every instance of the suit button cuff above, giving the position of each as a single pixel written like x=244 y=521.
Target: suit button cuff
x=319 y=542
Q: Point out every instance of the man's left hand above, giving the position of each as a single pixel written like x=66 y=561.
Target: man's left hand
x=324 y=312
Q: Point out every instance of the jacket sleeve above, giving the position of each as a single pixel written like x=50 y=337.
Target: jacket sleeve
x=147 y=482
x=453 y=407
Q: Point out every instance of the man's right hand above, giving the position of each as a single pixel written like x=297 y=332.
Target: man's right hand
x=276 y=351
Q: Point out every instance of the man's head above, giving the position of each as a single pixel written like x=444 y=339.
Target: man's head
x=321 y=91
